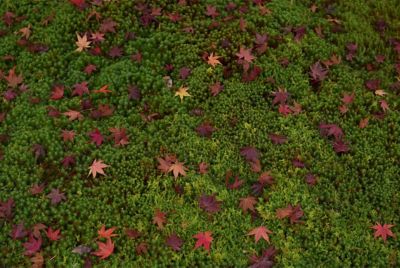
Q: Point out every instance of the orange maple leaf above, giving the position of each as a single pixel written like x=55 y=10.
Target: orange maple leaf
x=72 y=115
x=97 y=167
x=82 y=42
x=106 y=233
x=213 y=60
x=105 y=249
x=178 y=168
x=104 y=89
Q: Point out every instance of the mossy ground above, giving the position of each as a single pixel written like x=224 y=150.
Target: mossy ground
x=354 y=190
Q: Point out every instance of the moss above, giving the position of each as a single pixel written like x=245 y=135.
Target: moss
x=353 y=191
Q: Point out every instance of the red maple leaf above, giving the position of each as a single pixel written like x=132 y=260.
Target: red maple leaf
x=120 y=136
x=293 y=213
x=160 y=219
x=67 y=135
x=32 y=245
x=260 y=232
x=103 y=233
x=80 y=89
x=53 y=235
x=105 y=249
x=57 y=93
x=96 y=137
x=383 y=231
x=203 y=239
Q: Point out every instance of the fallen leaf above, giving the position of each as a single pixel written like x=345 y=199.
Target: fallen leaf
x=97 y=167
x=260 y=232
x=203 y=239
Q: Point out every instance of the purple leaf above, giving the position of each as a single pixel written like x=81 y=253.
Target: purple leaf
x=209 y=203
x=174 y=242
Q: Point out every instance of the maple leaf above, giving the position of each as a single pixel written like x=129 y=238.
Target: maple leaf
x=13 y=79
x=347 y=99
x=68 y=161
x=205 y=130
x=132 y=233
x=78 y=3
x=103 y=233
x=73 y=115
x=363 y=123
x=120 y=136
x=37 y=260
x=277 y=139
x=384 y=105
x=383 y=231
x=182 y=92
x=80 y=89
x=90 y=68
x=247 y=203
x=250 y=153
x=340 y=146
x=293 y=213
x=317 y=72
x=267 y=260
x=6 y=208
x=36 y=189
x=104 y=89
x=18 y=231
x=177 y=169
x=245 y=54
x=67 y=135
x=32 y=245
x=280 y=96
x=213 y=60
x=56 y=196
x=209 y=203
x=211 y=11
x=164 y=165
x=160 y=219
x=142 y=248
x=331 y=130
x=96 y=137
x=134 y=93
x=37 y=228
x=174 y=241
x=203 y=239
x=53 y=235
x=260 y=232
x=108 y=26
x=57 y=93
x=105 y=249
x=97 y=167
x=216 y=88
x=82 y=42
x=311 y=179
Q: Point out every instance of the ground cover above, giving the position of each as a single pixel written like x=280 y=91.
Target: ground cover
x=199 y=133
